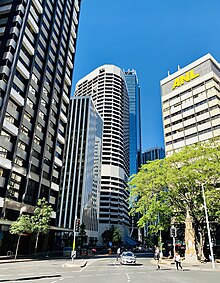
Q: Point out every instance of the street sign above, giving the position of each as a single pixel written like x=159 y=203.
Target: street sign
x=73 y=254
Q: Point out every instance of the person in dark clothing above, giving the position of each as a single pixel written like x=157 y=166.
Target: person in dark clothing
x=177 y=260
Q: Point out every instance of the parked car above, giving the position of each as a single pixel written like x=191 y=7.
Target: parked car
x=128 y=258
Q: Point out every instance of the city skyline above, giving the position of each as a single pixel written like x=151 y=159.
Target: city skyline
x=140 y=46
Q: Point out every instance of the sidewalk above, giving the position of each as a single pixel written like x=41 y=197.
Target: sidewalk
x=197 y=265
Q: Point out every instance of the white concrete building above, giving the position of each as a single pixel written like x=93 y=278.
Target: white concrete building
x=191 y=104
x=107 y=87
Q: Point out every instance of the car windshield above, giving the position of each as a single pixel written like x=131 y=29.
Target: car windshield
x=128 y=254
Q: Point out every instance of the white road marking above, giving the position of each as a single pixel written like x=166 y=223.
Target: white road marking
x=128 y=277
x=102 y=274
x=26 y=273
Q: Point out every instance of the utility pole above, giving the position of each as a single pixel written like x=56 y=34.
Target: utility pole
x=208 y=228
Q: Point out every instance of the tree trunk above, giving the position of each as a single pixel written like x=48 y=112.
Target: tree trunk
x=201 y=243
x=37 y=237
x=16 y=252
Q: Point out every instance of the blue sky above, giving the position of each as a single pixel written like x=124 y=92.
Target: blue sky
x=151 y=36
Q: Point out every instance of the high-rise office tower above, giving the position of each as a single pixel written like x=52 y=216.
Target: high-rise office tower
x=106 y=85
x=190 y=103
x=37 y=46
x=134 y=120
x=153 y=154
x=81 y=178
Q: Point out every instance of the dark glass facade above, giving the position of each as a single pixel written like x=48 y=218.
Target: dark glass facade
x=81 y=178
x=134 y=120
x=153 y=154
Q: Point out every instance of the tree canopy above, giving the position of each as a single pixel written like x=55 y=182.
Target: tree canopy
x=41 y=219
x=20 y=226
x=112 y=235
x=172 y=186
x=36 y=224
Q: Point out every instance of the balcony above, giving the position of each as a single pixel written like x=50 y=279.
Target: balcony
x=32 y=23
x=28 y=46
x=67 y=79
x=65 y=98
x=69 y=62
x=55 y=187
x=76 y=4
x=75 y=17
x=73 y=32
x=2 y=85
x=20 y=8
x=22 y=70
x=5 y=163
x=60 y=138
x=12 y=129
x=63 y=117
x=57 y=161
x=17 y=97
x=5 y=8
x=8 y=56
x=52 y=200
x=5 y=70
x=38 y=6
x=72 y=47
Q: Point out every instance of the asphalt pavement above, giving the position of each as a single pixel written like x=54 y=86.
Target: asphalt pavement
x=105 y=269
x=81 y=262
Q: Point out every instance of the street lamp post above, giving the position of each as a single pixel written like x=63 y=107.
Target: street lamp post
x=208 y=228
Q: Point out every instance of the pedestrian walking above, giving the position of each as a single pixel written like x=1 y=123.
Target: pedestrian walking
x=118 y=253
x=177 y=260
x=157 y=257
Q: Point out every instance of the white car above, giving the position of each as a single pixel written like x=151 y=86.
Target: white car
x=128 y=258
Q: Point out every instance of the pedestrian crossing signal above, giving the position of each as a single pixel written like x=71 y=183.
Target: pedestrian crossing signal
x=173 y=232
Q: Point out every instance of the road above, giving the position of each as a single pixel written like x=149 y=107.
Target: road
x=101 y=270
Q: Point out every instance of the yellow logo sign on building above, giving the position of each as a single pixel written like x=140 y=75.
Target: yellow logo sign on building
x=184 y=78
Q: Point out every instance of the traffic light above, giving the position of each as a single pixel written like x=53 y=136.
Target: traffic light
x=173 y=232
x=77 y=225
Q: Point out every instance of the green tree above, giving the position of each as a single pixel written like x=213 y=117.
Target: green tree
x=82 y=235
x=172 y=187
x=116 y=237
x=21 y=226
x=112 y=234
x=148 y=196
x=41 y=219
